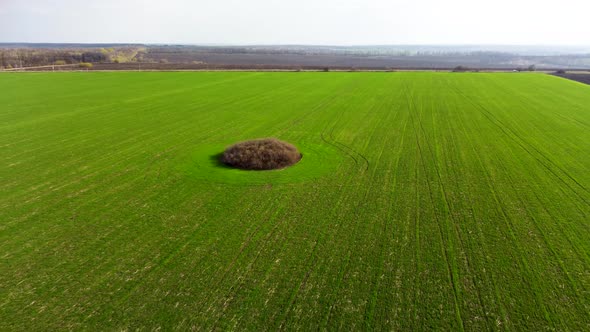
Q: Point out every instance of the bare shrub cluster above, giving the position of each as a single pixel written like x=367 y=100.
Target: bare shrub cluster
x=261 y=154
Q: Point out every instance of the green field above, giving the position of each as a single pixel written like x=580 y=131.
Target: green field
x=442 y=201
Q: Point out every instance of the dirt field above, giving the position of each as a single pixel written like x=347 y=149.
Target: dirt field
x=579 y=77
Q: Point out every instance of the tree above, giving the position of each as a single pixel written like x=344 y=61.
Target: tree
x=460 y=69
x=85 y=65
x=93 y=57
x=532 y=68
x=21 y=57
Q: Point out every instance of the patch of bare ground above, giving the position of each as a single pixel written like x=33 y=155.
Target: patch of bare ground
x=578 y=77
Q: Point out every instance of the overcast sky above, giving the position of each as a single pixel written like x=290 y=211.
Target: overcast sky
x=335 y=22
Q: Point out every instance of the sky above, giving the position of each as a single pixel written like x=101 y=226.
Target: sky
x=311 y=22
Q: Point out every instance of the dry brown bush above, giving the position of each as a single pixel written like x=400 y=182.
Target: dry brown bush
x=261 y=154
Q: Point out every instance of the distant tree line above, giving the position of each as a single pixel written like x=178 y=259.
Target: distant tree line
x=529 y=68
x=25 y=57
x=318 y=50
x=29 y=58
x=21 y=56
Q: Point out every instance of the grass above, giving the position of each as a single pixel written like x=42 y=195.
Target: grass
x=424 y=201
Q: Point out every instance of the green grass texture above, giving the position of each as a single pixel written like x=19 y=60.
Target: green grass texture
x=424 y=201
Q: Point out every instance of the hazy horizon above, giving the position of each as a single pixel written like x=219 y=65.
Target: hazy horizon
x=581 y=45
x=305 y=22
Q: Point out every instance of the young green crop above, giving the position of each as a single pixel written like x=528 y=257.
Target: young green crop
x=447 y=201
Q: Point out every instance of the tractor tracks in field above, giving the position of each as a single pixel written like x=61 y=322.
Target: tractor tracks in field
x=514 y=136
x=545 y=239
x=318 y=107
x=461 y=125
x=369 y=310
x=360 y=160
x=313 y=256
x=457 y=231
x=523 y=264
x=449 y=268
x=230 y=296
x=543 y=236
x=384 y=236
x=313 y=264
x=312 y=259
x=327 y=136
x=544 y=90
x=482 y=238
x=161 y=263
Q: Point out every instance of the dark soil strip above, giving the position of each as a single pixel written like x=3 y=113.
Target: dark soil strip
x=578 y=77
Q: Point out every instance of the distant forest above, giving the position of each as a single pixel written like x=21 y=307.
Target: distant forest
x=21 y=57
x=117 y=56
